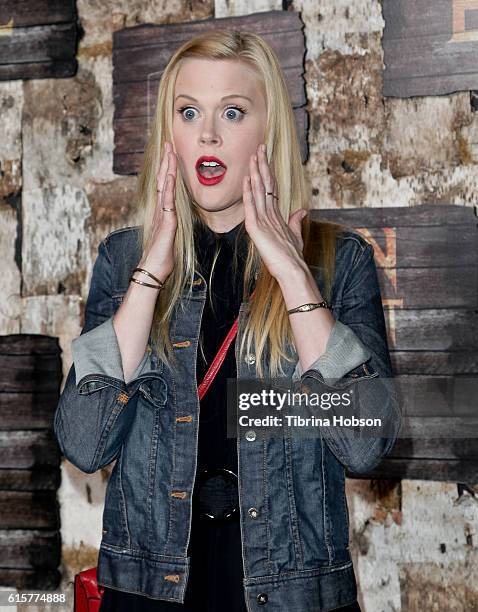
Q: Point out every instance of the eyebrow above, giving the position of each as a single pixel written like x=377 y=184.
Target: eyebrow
x=223 y=98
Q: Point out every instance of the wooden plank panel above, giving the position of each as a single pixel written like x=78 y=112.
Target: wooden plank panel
x=28 y=449
x=39 y=39
x=41 y=478
x=30 y=374
x=29 y=344
x=266 y=24
x=27 y=410
x=57 y=70
x=437 y=246
x=37 y=12
x=435 y=362
x=30 y=548
x=39 y=44
x=37 y=579
x=400 y=216
x=29 y=510
x=424 y=469
x=417 y=429
x=445 y=329
x=430 y=47
x=427 y=265
x=134 y=63
x=127 y=163
x=30 y=474
x=438 y=395
x=424 y=287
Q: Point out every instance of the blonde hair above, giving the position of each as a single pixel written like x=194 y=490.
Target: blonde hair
x=268 y=322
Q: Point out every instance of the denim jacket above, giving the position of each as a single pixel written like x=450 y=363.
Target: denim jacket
x=293 y=512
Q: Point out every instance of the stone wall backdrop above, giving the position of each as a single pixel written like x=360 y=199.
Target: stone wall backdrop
x=414 y=542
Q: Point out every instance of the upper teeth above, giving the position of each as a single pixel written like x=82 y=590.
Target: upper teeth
x=212 y=163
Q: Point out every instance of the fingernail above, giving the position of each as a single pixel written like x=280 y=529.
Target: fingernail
x=263 y=147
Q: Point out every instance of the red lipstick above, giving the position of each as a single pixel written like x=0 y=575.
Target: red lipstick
x=213 y=180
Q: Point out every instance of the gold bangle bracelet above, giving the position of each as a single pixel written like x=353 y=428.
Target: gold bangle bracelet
x=135 y=280
x=307 y=307
x=149 y=274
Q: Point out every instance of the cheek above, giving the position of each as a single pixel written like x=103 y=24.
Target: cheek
x=180 y=148
x=179 y=138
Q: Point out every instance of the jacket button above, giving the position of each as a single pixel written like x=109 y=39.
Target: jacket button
x=250 y=358
x=250 y=435
x=253 y=512
x=262 y=598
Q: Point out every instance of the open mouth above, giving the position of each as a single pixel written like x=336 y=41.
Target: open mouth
x=210 y=170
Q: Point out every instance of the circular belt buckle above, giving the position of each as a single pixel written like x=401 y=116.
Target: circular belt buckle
x=227 y=514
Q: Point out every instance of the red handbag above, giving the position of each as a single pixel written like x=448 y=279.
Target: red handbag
x=87 y=592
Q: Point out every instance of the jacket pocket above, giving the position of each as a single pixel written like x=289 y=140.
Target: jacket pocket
x=115 y=525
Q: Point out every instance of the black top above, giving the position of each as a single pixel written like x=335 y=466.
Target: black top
x=225 y=289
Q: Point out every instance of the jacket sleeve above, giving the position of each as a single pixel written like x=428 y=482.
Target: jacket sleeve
x=96 y=407
x=357 y=360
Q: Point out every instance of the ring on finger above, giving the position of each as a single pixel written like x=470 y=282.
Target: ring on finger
x=271 y=194
x=169 y=209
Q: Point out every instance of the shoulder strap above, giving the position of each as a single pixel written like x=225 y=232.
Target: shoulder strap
x=218 y=359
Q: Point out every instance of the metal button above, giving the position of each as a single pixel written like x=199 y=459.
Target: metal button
x=250 y=435
x=250 y=358
x=253 y=512
x=262 y=598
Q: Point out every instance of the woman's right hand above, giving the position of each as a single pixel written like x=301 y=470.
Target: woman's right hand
x=158 y=255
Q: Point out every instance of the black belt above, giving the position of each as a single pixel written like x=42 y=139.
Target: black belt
x=217 y=494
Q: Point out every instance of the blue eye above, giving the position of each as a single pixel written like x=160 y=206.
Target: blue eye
x=180 y=110
x=188 y=118
x=236 y=108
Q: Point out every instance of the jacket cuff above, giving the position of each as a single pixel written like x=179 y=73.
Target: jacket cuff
x=344 y=352
x=98 y=352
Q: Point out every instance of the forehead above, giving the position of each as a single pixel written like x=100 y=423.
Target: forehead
x=210 y=78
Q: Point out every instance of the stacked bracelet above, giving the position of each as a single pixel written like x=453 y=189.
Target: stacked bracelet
x=307 y=307
x=159 y=286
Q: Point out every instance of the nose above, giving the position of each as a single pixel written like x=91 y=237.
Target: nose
x=208 y=139
x=208 y=133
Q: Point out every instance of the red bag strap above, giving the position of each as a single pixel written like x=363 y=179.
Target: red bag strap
x=218 y=359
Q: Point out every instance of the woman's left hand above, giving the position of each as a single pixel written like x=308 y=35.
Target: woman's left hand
x=279 y=244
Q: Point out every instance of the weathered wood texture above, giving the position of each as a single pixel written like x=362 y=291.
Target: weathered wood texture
x=38 y=39
x=427 y=264
x=26 y=579
x=29 y=548
x=141 y=53
x=430 y=47
x=30 y=378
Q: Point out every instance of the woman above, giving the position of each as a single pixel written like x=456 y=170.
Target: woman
x=194 y=520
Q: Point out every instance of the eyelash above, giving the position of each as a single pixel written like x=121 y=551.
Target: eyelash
x=235 y=107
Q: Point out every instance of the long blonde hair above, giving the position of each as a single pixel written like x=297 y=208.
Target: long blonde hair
x=268 y=322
